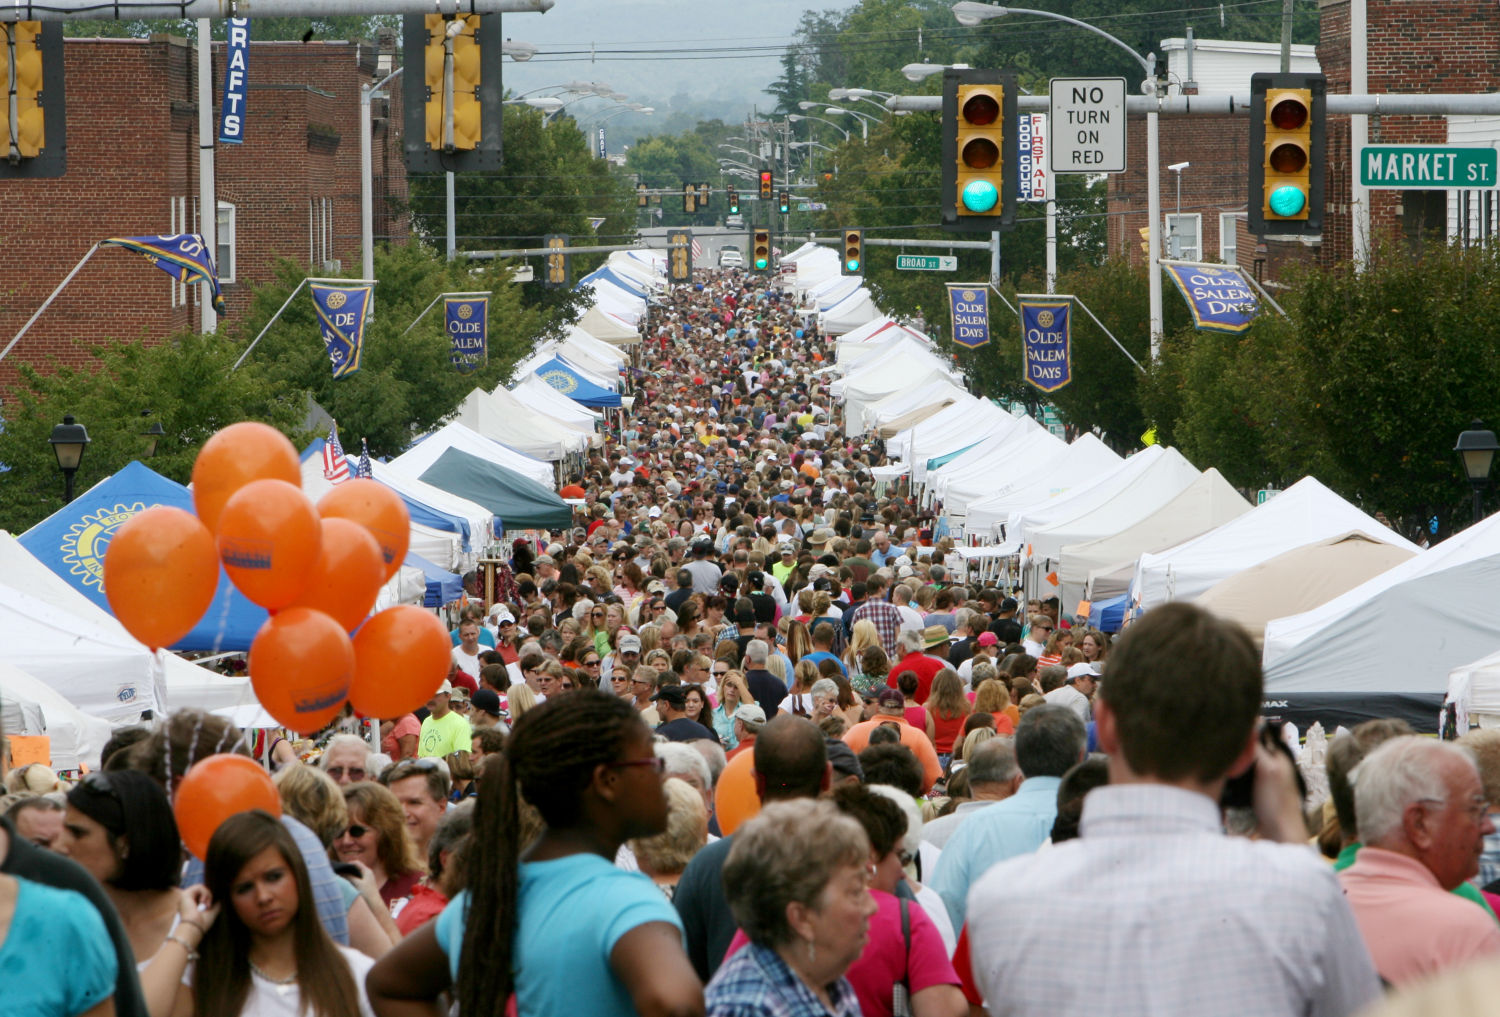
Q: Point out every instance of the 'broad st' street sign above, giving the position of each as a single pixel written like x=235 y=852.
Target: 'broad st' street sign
x=927 y=262
x=1426 y=167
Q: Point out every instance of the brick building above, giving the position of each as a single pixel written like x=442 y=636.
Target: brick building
x=290 y=190
x=1414 y=46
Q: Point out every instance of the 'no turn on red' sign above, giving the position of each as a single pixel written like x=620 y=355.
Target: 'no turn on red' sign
x=1088 y=125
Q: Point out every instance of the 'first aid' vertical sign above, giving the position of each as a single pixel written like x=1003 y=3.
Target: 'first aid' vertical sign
x=236 y=64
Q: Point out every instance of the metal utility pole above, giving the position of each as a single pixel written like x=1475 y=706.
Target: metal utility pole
x=208 y=205
x=1286 y=36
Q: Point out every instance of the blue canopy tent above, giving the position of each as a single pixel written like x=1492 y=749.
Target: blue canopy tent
x=1109 y=614
x=616 y=280
x=72 y=541
x=562 y=376
x=520 y=502
x=443 y=587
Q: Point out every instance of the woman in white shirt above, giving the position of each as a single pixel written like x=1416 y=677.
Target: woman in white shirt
x=268 y=955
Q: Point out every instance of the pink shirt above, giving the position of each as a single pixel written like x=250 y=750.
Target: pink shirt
x=882 y=963
x=1411 y=925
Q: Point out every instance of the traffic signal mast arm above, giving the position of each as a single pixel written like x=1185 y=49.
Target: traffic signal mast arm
x=90 y=10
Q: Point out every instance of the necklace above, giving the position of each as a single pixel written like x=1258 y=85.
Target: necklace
x=283 y=985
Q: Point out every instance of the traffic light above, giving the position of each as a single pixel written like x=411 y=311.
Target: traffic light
x=765 y=185
x=734 y=201
x=31 y=100
x=979 y=152
x=705 y=195
x=680 y=256
x=640 y=195
x=1288 y=153
x=452 y=109
x=1145 y=232
x=784 y=202
x=559 y=265
x=689 y=198
x=852 y=261
x=760 y=251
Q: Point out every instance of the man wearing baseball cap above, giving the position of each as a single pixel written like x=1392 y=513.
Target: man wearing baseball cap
x=444 y=731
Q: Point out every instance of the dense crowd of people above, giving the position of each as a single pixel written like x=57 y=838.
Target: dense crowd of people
x=958 y=801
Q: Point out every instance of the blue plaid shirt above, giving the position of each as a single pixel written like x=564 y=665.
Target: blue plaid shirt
x=756 y=982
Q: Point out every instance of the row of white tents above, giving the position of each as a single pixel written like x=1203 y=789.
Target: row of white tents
x=1355 y=621
x=841 y=303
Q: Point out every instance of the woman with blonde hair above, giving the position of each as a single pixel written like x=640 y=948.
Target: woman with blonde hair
x=733 y=692
x=798 y=642
x=861 y=637
x=376 y=837
x=650 y=636
x=520 y=698
x=776 y=664
x=993 y=697
x=799 y=700
x=948 y=708
x=664 y=856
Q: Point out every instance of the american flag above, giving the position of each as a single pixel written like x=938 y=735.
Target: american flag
x=365 y=471
x=335 y=466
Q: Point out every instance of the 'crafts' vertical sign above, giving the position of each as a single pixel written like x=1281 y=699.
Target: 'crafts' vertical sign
x=236 y=67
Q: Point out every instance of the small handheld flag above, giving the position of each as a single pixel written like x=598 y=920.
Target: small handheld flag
x=366 y=471
x=335 y=464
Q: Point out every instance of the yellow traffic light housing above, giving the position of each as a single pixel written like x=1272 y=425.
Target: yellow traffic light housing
x=765 y=185
x=558 y=266
x=760 y=251
x=852 y=253
x=1287 y=153
x=979 y=150
x=31 y=99
x=452 y=108
x=680 y=256
x=640 y=195
x=689 y=198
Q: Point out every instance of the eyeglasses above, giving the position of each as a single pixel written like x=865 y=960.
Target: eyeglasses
x=591 y=663
x=656 y=763
x=722 y=673
x=356 y=831
x=356 y=773
x=567 y=686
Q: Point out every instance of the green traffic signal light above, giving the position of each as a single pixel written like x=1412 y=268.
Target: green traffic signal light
x=852 y=264
x=760 y=262
x=1287 y=200
x=980 y=196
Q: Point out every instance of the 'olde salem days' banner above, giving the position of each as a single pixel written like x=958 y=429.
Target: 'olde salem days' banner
x=1046 y=340
x=1218 y=295
x=466 y=320
x=969 y=312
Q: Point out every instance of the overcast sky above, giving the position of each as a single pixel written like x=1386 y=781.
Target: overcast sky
x=682 y=26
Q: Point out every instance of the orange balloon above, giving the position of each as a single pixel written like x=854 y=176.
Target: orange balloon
x=160 y=574
x=234 y=457
x=402 y=656
x=301 y=663
x=346 y=578
x=378 y=509
x=269 y=539
x=215 y=788
x=735 y=799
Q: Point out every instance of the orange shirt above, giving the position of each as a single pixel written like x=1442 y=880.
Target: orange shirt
x=858 y=739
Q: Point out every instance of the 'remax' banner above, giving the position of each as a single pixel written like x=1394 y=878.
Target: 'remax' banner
x=1218 y=295
x=969 y=311
x=1046 y=340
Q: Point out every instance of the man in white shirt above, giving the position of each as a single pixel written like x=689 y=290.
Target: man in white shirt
x=1076 y=690
x=1176 y=917
x=466 y=653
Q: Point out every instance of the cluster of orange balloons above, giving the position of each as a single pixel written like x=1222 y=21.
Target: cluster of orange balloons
x=316 y=568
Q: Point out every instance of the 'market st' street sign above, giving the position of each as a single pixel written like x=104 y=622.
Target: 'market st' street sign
x=1426 y=167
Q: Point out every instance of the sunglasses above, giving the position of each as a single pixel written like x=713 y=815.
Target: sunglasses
x=407 y=767
x=719 y=673
x=355 y=773
x=356 y=831
x=591 y=663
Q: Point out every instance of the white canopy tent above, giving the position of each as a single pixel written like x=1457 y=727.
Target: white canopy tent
x=541 y=397
x=1305 y=512
x=980 y=470
x=1207 y=502
x=1299 y=580
x=1387 y=647
x=1143 y=483
x=849 y=313
x=902 y=410
x=833 y=290
x=500 y=416
x=1474 y=693
x=29 y=706
x=1082 y=462
x=415 y=460
x=609 y=328
x=807 y=247
x=815 y=266
x=900 y=372
x=609 y=378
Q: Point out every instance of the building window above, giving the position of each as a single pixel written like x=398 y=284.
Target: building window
x=1228 y=250
x=224 y=237
x=1183 y=236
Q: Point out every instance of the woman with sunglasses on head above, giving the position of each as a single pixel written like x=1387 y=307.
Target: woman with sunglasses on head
x=268 y=956
x=733 y=693
x=376 y=838
x=119 y=827
x=556 y=922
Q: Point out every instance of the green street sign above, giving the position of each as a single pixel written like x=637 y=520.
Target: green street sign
x=927 y=263
x=1427 y=167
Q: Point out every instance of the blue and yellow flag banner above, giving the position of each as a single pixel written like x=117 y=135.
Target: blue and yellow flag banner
x=1047 y=340
x=466 y=320
x=341 y=319
x=236 y=69
x=969 y=313
x=1218 y=295
x=182 y=256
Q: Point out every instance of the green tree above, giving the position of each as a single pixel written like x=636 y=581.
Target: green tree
x=668 y=161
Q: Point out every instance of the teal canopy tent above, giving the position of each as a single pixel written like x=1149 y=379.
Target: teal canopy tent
x=520 y=502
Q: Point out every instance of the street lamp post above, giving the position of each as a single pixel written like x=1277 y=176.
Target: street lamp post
x=1476 y=449
x=69 y=440
x=970 y=13
x=821 y=120
x=153 y=435
x=1177 y=168
x=864 y=120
